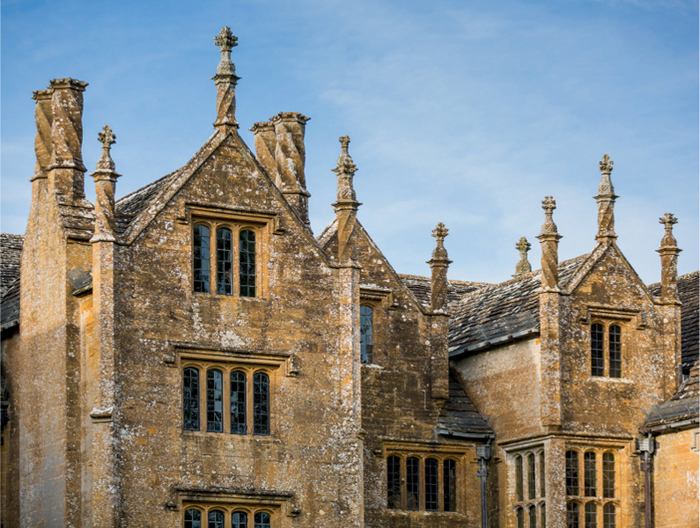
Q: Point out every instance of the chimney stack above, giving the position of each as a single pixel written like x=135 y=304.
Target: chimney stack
x=66 y=169
x=265 y=145
x=290 y=158
x=226 y=80
x=606 y=202
x=669 y=261
x=105 y=183
x=438 y=267
x=43 y=146
x=347 y=204
x=549 y=239
x=523 y=267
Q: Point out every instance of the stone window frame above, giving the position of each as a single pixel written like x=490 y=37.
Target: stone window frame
x=598 y=500
x=270 y=368
x=370 y=355
x=404 y=454
x=229 y=509
x=539 y=502
x=624 y=336
x=378 y=299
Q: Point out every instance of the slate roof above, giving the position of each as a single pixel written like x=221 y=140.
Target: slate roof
x=683 y=406
x=10 y=256
x=420 y=287
x=504 y=311
x=458 y=414
x=130 y=206
x=688 y=295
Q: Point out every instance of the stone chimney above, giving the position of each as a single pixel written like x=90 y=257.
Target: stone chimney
x=523 y=267
x=265 y=145
x=606 y=202
x=669 y=261
x=43 y=146
x=66 y=169
x=225 y=80
x=105 y=183
x=290 y=158
x=549 y=239
x=347 y=204
x=438 y=267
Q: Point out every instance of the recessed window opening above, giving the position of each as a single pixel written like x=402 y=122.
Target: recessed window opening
x=366 y=333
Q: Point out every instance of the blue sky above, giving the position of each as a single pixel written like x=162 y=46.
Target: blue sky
x=465 y=112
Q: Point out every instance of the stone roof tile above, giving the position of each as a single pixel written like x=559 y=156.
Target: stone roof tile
x=420 y=286
x=682 y=406
x=458 y=414
x=10 y=256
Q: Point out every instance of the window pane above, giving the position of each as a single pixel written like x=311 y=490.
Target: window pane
x=366 y=333
x=589 y=474
x=393 y=482
x=597 y=358
x=532 y=514
x=215 y=401
x=615 y=338
x=412 y=483
x=542 y=478
x=519 y=478
x=572 y=473
x=449 y=478
x=608 y=476
x=224 y=261
x=261 y=404
x=609 y=520
x=247 y=263
x=193 y=518
x=190 y=399
x=591 y=516
x=520 y=516
x=572 y=515
x=531 y=476
x=239 y=520
x=238 y=403
x=543 y=516
x=201 y=259
x=262 y=520
x=431 y=484
x=215 y=519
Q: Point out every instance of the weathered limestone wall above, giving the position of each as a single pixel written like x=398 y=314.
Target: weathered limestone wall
x=676 y=480
x=9 y=468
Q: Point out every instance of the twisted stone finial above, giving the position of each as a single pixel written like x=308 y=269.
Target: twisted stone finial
x=107 y=138
x=345 y=170
x=549 y=240
x=668 y=220
x=549 y=205
x=439 y=264
x=606 y=201
x=523 y=266
x=225 y=80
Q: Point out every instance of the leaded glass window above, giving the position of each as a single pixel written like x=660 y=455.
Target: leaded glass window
x=247 y=263
x=193 y=518
x=238 y=402
x=543 y=516
x=572 y=515
x=609 y=517
x=215 y=401
x=531 y=487
x=590 y=516
x=519 y=478
x=449 y=477
x=608 y=476
x=572 y=473
x=542 y=476
x=366 y=333
x=190 y=399
x=520 y=516
x=201 y=259
x=239 y=520
x=412 y=483
x=261 y=403
x=215 y=519
x=224 y=261
x=532 y=515
x=615 y=355
x=262 y=520
x=431 y=484
x=393 y=482
x=597 y=350
x=589 y=474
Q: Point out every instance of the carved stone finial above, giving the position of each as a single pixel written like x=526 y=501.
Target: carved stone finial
x=523 y=266
x=549 y=240
x=606 y=201
x=669 y=251
x=107 y=138
x=226 y=80
x=226 y=41
x=345 y=170
x=668 y=220
x=606 y=166
x=440 y=232
x=549 y=205
x=438 y=265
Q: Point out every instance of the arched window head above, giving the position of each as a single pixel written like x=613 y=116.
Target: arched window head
x=239 y=520
x=238 y=402
x=412 y=483
x=224 y=261
x=572 y=515
x=366 y=333
x=531 y=489
x=532 y=515
x=543 y=515
x=609 y=516
x=393 y=482
x=200 y=262
x=590 y=516
x=215 y=519
x=215 y=401
x=190 y=399
x=193 y=518
x=520 y=516
x=431 y=484
x=449 y=478
x=615 y=352
x=247 y=252
x=261 y=403
x=597 y=350
x=262 y=520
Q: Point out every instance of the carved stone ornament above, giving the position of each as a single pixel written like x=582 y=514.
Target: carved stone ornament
x=438 y=265
x=107 y=138
x=105 y=183
x=440 y=232
x=549 y=240
x=226 y=41
x=606 y=201
x=548 y=227
x=668 y=220
x=523 y=266
x=345 y=170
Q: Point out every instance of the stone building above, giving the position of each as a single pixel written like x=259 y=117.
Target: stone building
x=191 y=355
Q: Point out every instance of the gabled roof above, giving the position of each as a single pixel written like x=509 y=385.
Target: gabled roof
x=688 y=295
x=420 y=286
x=682 y=407
x=458 y=414
x=502 y=311
x=131 y=205
x=10 y=256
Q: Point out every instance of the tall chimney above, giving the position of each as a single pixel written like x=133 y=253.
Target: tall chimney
x=669 y=260
x=549 y=240
x=438 y=267
x=226 y=80
x=606 y=201
x=66 y=169
x=265 y=145
x=347 y=204
x=43 y=146
x=105 y=182
x=290 y=157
